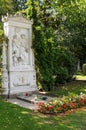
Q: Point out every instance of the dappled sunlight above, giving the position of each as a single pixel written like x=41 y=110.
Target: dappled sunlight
x=36 y=117
x=48 y=122
x=83 y=90
x=75 y=87
x=70 y=120
x=25 y=112
x=72 y=127
x=81 y=77
x=40 y=123
x=81 y=109
x=26 y=119
x=43 y=115
x=64 y=88
x=67 y=121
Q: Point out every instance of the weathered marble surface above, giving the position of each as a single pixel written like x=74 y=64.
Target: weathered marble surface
x=18 y=57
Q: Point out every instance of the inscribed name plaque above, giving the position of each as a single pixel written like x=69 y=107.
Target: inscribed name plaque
x=19 y=65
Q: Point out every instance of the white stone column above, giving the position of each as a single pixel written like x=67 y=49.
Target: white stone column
x=4 y=69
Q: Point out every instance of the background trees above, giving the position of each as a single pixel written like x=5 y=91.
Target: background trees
x=6 y=6
x=59 y=36
x=52 y=62
x=75 y=24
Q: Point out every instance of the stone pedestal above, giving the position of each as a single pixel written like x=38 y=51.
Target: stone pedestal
x=19 y=74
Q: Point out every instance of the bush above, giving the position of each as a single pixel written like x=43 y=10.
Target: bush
x=62 y=74
x=56 y=67
x=54 y=64
x=65 y=65
x=84 y=69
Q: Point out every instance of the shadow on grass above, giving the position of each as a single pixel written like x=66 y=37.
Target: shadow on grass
x=13 y=117
x=74 y=87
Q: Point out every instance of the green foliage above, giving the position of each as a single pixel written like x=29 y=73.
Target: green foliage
x=73 y=88
x=72 y=30
x=75 y=22
x=64 y=65
x=84 y=69
x=59 y=26
x=6 y=6
x=19 y=5
x=13 y=117
x=53 y=62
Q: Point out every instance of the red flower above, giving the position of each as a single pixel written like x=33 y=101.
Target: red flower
x=72 y=104
x=59 y=108
x=50 y=108
x=27 y=94
x=64 y=106
x=82 y=101
x=55 y=107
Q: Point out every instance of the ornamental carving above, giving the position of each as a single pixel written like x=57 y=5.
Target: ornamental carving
x=20 y=48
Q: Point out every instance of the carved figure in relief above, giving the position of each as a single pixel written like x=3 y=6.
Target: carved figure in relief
x=15 y=50
x=20 y=49
x=21 y=80
x=24 y=49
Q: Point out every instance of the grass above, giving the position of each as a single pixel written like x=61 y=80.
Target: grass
x=81 y=77
x=13 y=117
x=74 y=87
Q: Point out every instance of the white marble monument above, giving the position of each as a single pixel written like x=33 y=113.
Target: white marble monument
x=19 y=75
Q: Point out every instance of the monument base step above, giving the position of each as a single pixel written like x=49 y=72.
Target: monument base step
x=21 y=94
x=23 y=104
x=35 y=98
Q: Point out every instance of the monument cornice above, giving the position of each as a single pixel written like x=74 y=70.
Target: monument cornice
x=16 y=18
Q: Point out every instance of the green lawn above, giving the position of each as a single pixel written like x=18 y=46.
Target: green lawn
x=13 y=117
x=75 y=87
x=81 y=77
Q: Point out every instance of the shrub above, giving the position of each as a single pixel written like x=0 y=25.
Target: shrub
x=84 y=69
x=65 y=65
x=54 y=63
x=61 y=75
x=56 y=66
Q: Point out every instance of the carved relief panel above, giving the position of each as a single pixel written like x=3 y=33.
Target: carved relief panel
x=20 y=47
x=23 y=79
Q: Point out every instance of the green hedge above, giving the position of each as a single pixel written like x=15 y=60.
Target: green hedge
x=57 y=66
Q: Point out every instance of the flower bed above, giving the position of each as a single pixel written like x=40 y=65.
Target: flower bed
x=60 y=105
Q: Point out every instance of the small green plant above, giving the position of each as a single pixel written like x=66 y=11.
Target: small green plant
x=84 y=69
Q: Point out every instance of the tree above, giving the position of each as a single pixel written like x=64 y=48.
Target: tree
x=19 y=5
x=46 y=23
x=73 y=29
x=6 y=6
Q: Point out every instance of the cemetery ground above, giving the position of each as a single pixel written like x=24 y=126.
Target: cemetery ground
x=14 y=117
